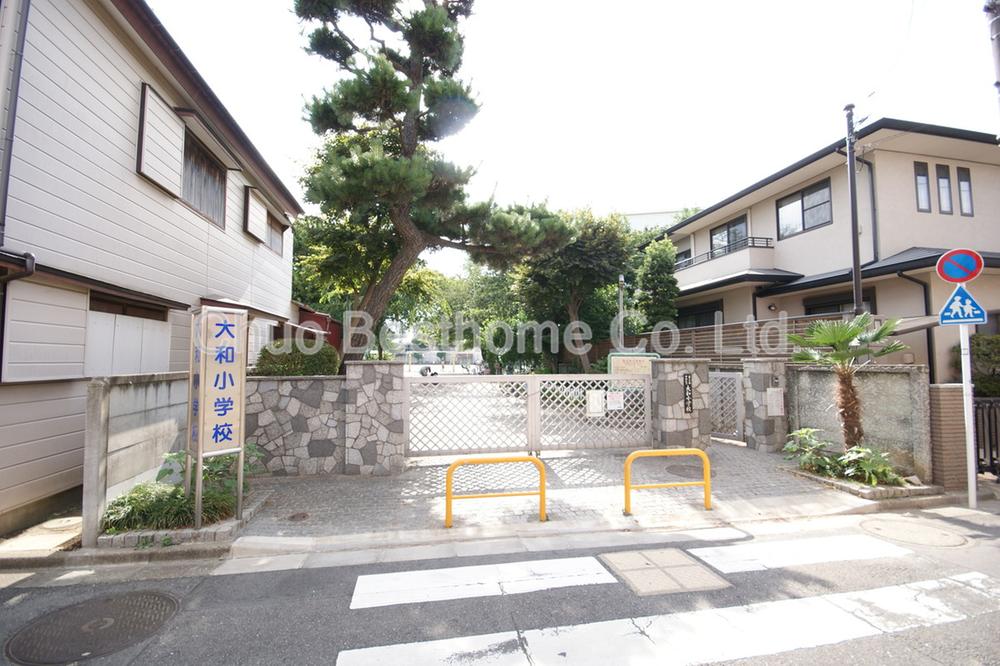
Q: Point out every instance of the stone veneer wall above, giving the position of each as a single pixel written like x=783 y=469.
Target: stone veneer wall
x=672 y=427
x=298 y=423
x=762 y=429
x=895 y=410
x=354 y=424
x=375 y=418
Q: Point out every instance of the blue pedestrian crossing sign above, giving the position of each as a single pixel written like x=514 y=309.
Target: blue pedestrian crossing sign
x=962 y=308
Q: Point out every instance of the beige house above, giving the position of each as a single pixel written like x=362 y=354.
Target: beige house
x=784 y=243
x=128 y=196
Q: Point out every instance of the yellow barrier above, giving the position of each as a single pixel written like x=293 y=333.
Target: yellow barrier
x=494 y=461
x=706 y=470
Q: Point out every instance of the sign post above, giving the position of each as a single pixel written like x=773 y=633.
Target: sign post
x=216 y=395
x=962 y=310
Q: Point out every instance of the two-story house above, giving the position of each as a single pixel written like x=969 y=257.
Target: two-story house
x=783 y=245
x=128 y=196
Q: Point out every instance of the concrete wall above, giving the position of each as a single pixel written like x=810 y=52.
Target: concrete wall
x=894 y=409
x=132 y=422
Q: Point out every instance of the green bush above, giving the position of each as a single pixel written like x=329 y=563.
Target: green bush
x=985 y=352
x=158 y=506
x=282 y=359
x=860 y=463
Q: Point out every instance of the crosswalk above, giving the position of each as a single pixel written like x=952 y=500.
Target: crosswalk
x=683 y=637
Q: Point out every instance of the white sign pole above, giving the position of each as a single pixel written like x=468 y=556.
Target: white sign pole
x=971 y=455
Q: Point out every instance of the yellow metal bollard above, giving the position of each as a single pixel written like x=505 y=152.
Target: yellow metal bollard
x=449 y=477
x=706 y=471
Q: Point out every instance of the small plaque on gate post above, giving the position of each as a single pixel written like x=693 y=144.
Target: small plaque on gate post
x=688 y=394
x=595 y=403
x=775 y=402
x=616 y=400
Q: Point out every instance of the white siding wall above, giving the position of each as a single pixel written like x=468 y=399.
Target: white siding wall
x=76 y=200
x=121 y=345
x=41 y=440
x=45 y=332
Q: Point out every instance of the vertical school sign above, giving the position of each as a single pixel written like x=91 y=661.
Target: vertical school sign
x=217 y=392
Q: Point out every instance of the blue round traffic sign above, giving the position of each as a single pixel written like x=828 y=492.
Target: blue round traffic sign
x=959 y=265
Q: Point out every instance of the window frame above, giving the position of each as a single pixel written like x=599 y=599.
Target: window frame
x=701 y=308
x=189 y=135
x=99 y=301
x=835 y=299
x=968 y=179
x=682 y=255
x=801 y=194
x=273 y=225
x=735 y=222
x=917 y=166
x=938 y=168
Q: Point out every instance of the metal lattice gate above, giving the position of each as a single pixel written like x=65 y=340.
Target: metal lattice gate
x=726 y=395
x=488 y=414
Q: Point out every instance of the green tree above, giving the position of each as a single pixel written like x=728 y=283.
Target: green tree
x=566 y=278
x=657 y=284
x=401 y=95
x=845 y=346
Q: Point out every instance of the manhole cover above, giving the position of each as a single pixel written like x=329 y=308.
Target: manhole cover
x=913 y=532
x=298 y=517
x=687 y=471
x=91 y=629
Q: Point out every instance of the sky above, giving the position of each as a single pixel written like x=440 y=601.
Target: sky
x=628 y=106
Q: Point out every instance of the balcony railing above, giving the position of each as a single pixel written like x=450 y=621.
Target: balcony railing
x=749 y=241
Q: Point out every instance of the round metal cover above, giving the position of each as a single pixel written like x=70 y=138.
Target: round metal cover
x=91 y=629
x=913 y=532
x=687 y=471
x=298 y=517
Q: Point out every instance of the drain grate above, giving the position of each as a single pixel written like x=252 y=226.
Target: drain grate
x=687 y=471
x=91 y=629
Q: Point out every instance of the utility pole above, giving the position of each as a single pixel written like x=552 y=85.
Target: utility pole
x=992 y=10
x=852 y=186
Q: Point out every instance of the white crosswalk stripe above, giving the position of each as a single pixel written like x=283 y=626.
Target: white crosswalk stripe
x=762 y=555
x=477 y=581
x=693 y=637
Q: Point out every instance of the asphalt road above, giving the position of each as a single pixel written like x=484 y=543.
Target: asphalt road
x=304 y=616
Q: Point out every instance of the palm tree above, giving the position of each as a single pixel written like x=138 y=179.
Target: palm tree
x=846 y=346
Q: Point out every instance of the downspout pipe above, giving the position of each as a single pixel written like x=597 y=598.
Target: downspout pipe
x=929 y=331
x=11 y=116
x=871 y=197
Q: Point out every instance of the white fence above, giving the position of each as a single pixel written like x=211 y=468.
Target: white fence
x=490 y=414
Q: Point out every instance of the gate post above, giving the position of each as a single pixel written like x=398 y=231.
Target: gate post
x=375 y=426
x=680 y=403
x=534 y=413
x=766 y=415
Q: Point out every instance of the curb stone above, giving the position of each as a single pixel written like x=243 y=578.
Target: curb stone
x=92 y=556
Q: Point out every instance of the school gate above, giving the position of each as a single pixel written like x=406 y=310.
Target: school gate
x=462 y=414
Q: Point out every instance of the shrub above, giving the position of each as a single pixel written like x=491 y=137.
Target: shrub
x=859 y=463
x=283 y=358
x=157 y=506
x=985 y=352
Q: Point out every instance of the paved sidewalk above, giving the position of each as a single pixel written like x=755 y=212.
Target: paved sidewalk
x=585 y=489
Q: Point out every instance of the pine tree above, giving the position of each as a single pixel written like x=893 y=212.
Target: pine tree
x=377 y=169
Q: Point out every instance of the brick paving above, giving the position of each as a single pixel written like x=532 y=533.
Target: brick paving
x=584 y=488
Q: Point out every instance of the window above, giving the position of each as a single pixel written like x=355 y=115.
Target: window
x=944 y=188
x=729 y=236
x=682 y=257
x=965 y=191
x=275 y=234
x=204 y=186
x=702 y=314
x=114 y=305
x=805 y=210
x=838 y=303
x=923 y=187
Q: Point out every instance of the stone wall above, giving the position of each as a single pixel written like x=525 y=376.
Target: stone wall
x=375 y=412
x=895 y=410
x=673 y=424
x=354 y=424
x=765 y=425
x=298 y=423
